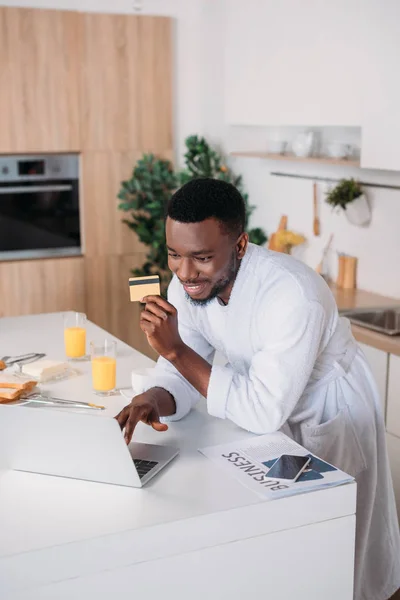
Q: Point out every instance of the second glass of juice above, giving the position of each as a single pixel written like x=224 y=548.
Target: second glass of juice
x=75 y=335
x=104 y=367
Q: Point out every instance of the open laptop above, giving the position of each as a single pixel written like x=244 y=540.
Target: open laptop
x=77 y=445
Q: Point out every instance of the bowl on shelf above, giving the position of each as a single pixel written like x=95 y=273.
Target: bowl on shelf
x=277 y=146
x=339 y=150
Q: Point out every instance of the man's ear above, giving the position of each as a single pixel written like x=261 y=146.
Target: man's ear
x=241 y=245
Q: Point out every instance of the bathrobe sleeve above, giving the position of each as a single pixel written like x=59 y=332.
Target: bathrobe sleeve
x=262 y=399
x=164 y=374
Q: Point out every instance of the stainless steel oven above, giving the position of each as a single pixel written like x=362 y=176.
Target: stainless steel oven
x=39 y=206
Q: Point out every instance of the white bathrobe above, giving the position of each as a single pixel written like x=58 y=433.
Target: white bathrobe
x=294 y=365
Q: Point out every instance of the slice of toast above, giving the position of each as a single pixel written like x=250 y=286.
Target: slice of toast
x=24 y=385
x=10 y=391
x=8 y=395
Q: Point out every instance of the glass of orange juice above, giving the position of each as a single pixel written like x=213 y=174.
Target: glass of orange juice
x=75 y=335
x=104 y=367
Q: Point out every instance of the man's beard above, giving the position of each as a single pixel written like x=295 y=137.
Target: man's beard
x=219 y=286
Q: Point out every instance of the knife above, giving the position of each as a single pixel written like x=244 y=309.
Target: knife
x=38 y=399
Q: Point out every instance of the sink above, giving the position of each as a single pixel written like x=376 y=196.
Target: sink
x=384 y=320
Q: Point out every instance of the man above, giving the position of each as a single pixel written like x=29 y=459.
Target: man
x=293 y=363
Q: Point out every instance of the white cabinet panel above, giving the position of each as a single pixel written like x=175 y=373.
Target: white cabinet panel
x=380 y=107
x=393 y=397
x=378 y=361
x=380 y=147
x=393 y=444
x=294 y=63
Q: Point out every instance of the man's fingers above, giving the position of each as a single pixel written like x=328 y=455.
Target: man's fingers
x=161 y=302
x=131 y=423
x=155 y=309
x=147 y=328
x=151 y=318
x=159 y=426
x=130 y=416
x=123 y=416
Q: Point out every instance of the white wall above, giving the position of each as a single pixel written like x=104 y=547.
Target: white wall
x=377 y=247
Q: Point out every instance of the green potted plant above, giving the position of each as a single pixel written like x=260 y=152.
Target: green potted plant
x=145 y=195
x=349 y=196
x=203 y=161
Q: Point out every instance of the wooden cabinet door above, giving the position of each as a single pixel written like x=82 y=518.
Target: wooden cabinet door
x=126 y=85
x=5 y=96
x=40 y=286
x=393 y=399
x=378 y=360
x=104 y=232
x=107 y=298
x=40 y=54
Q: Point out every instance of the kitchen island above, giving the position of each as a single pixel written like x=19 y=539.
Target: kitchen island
x=192 y=532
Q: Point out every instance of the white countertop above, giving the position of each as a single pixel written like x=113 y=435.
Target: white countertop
x=190 y=504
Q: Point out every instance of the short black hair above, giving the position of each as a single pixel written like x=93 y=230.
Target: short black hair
x=207 y=198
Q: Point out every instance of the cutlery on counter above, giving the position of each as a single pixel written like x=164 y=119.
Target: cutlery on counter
x=50 y=400
x=7 y=361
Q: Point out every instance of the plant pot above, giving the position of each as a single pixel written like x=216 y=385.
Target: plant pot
x=358 y=211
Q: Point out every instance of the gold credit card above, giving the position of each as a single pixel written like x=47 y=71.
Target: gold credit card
x=139 y=287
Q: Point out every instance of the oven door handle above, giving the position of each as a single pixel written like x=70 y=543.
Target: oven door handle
x=21 y=189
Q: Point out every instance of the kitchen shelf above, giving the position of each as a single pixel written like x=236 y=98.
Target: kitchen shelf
x=292 y=158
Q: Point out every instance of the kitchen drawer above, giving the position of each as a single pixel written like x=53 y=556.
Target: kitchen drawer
x=393 y=396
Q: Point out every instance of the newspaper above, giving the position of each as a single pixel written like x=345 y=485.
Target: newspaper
x=250 y=460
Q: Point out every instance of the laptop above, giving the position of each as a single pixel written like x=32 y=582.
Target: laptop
x=77 y=445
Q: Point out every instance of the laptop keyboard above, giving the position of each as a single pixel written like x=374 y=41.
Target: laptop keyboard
x=144 y=466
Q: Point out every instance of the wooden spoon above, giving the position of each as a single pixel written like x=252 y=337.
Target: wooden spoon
x=316 y=226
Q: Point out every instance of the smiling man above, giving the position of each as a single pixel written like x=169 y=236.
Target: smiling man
x=292 y=362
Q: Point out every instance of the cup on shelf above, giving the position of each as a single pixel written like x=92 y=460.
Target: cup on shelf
x=277 y=146
x=75 y=335
x=339 y=150
x=103 y=355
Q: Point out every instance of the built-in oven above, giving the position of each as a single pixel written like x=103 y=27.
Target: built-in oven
x=39 y=206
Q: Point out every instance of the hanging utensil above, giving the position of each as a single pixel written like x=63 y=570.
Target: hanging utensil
x=320 y=267
x=316 y=225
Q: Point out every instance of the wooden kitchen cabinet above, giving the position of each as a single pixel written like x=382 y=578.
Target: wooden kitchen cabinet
x=107 y=298
x=104 y=233
x=378 y=360
x=393 y=445
x=126 y=83
x=5 y=96
x=39 y=286
x=393 y=397
x=39 y=91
